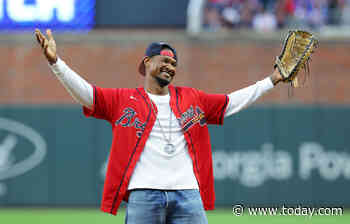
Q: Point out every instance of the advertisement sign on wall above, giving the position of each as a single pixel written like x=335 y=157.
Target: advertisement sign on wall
x=57 y=14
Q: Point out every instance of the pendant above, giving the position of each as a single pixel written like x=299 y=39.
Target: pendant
x=169 y=148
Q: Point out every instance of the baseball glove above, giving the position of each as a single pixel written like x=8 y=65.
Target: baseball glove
x=296 y=53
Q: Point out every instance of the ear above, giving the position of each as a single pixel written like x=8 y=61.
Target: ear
x=146 y=60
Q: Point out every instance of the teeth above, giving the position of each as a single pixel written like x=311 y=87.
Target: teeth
x=169 y=73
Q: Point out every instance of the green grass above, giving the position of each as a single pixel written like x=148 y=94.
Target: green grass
x=92 y=216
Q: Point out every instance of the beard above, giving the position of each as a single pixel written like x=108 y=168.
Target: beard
x=162 y=82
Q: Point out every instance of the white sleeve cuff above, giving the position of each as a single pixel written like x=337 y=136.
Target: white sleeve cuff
x=58 y=67
x=266 y=84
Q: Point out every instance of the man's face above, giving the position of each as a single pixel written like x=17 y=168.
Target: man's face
x=162 y=68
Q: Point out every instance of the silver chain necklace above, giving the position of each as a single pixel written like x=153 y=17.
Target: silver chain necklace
x=169 y=147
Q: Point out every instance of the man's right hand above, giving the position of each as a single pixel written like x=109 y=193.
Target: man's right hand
x=48 y=45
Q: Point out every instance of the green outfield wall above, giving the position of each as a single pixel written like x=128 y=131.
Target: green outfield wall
x=297 y=155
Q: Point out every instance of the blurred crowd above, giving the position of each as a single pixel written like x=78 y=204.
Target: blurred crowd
x=264 y=15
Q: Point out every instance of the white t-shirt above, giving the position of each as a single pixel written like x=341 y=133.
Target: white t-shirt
x=157 y=169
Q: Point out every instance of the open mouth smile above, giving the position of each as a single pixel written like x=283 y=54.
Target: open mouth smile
x=167 y=72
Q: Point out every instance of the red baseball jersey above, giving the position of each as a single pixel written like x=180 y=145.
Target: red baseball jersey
x=129 y=111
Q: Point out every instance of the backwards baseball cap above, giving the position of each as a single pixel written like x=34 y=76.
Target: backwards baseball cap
x=157 y=48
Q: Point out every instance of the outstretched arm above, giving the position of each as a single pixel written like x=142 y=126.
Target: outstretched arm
x=242 y=98
x=78 y=88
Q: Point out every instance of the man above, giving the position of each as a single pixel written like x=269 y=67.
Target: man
x=160 y=159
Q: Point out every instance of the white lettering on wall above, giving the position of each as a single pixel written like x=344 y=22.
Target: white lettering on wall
x=330 y=164
x=1 y=9
x=42 y=10
x=20 y=12
x=252 y=168
x=64 y=8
